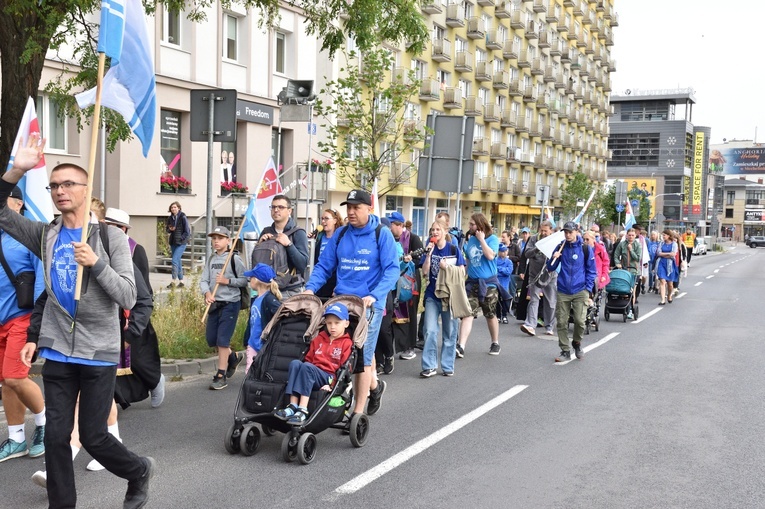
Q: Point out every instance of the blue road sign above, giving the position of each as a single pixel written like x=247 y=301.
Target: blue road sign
x=635 y=203
x=620 y=208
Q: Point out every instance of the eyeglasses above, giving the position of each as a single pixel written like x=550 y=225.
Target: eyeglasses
x=66 y=185
x=326 y=218
x=278 y=207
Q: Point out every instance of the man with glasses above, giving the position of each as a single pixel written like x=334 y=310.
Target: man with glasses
x=80 y=341
x=285 y=231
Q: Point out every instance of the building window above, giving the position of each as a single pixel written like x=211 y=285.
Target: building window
x=281 y=53
x=171 y=29
x=51 y=124
x=641 y=149
x=170 y=141
x=730 y=197
x=230 y=36
x=728 y=213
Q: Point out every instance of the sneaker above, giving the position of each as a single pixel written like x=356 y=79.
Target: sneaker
x=630 y=316
x=11 y=449
x=180 y=285
x=577 y=350
x=38 y=442
x=420 y=344
x=158 y=393
x=233 y=364
x=549 y=332
x=528 y=330
x=460 y=351
x=94 y=466
x=40 y=478
x=138 y=489
x=427 y=373
x=286 y=412
x=494 y=349
x=218 y=383
x=170 y=286
x=375 y=398
x=448 y=373
x=407 y=354
x=504 y=320
x=563 y=357
x=388 y=365
x=299 y=417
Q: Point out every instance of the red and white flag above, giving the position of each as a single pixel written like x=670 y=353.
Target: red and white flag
x=258 y=214
x=37 y=202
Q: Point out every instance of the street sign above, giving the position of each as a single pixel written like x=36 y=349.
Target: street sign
x=635 y=203
x=620 y=208
x=542 y=194
x=312 y=128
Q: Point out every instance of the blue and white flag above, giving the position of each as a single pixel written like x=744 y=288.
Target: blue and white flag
x=629 y=217
x=37 y=202
x=129 y=86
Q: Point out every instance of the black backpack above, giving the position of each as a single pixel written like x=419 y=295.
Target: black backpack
x=275 y=255
x=244 y=291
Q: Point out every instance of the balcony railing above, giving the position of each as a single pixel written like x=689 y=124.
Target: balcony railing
x=503 y=9
x=431 y=6
x=480 y=146
x=473 y=107
x=454 y=16
x=476 y=28
x=483 y=71
x=510 y=49
x=492 y=40
x=442 y=50
x=430 y=90
x=498 y=151
x=491 y=113
x=453 y=98
x=501 y=80
x=508 y=118
x=463 y=61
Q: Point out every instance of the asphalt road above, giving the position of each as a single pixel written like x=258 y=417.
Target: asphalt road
x=662 y=412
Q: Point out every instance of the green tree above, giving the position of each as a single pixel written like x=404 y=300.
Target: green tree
x=367 y=132
x=578 y=187
x=30 y=28
x=605 y=212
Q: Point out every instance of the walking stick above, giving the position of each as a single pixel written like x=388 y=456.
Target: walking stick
x=228 y=259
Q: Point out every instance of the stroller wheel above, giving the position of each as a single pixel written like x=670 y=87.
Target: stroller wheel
x=231 y=440
x=607 y=315
x=624 y=317
x=289 y=447
x=249 y=442
x=267 y=431
x=306 y=448
x=359 y=430
x=636 y=312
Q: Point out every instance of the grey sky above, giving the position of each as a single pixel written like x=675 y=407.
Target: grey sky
x=710 y=46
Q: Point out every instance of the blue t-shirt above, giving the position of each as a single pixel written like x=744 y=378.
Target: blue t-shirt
x=435 y=261
x=478 y=266
x=63 y=270
x=256 y=323
x=323 y=243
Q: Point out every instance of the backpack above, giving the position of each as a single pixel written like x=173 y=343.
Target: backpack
x=244 y=291
x=406 y=286
x=275 y=255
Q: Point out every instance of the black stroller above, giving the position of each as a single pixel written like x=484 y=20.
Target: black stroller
x=286 y=338
x=620 y=295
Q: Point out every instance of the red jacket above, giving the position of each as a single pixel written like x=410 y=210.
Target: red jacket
x=329 y=355
x=602 y=263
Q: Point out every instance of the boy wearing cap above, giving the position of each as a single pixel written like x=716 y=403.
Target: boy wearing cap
x=327 y=352
x=221 y=291
x=504 y=275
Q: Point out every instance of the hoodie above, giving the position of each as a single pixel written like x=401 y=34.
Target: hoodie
x=365 y=264
x=229 y=292
x=576 y=273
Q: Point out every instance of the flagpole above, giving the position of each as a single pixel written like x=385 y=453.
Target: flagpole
x=91 y=167
x=228 y=259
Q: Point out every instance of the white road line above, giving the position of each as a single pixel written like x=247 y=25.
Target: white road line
x=413 y=450
x=591 y=347
x=681 y=295
x=716 y=271
x=710 y=277
x=647 y=315
x=699 y=283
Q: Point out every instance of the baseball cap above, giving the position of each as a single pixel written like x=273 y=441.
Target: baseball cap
x=337 y=309
x=525 y=230
x=502 y=247
x=261 y=272
x=220 y=230
x=16 y=193
x=117 y=217
x=358 y=196
x=396 y=217
x=570 y=226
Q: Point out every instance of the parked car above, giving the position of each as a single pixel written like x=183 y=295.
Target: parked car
x=756 y=241
x=700 y=248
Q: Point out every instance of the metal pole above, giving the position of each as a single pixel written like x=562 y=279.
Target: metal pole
x=279 y=148
x=430 y=165
x=103 y=164
x=458 y=215
x=210 y=140
x=310 y=173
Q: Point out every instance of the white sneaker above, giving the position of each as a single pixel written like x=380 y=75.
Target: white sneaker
x=40 y=478
x=528 y=330
x=95 y=466
x=158 y=393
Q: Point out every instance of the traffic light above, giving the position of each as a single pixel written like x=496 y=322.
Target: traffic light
x=682 y=196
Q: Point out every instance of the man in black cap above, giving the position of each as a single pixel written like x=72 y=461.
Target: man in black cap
x=365 y=257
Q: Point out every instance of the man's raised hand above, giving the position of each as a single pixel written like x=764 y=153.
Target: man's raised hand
x=28 y=156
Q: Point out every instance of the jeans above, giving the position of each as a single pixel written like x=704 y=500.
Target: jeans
x=177 y=250
x=95 y=385
x=372 y=332
x=566 y=302
x=532 y=311
x=304 y=378
x=433 y=310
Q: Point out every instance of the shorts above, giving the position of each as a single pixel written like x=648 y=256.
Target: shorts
x=221 y=324
x=373 y=331
x=489 y=304
x=13 y=337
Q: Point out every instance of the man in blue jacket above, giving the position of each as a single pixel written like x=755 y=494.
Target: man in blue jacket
x=364 y=255
x=575 y=282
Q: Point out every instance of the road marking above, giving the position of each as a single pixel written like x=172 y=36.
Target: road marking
x=710 y=276
x=647 y=315
x=716 y=271
x=699 y=283
x=681 y=295
x=591 y=347
x=413 y=450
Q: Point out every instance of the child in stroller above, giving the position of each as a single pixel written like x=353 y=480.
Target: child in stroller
x=327 y=352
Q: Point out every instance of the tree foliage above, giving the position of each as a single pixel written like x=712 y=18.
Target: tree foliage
x=30 y=28
x=579 y=187
x=606 y=213
x=367 y=132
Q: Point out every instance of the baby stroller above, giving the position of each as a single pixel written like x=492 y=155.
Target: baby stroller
x=286 y=338
x=620 y=295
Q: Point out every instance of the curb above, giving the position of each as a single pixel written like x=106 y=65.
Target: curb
x=170 y=367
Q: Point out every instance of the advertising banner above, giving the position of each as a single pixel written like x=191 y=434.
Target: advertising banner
x=698 y=172
x=737 y=161
x=754 y=215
